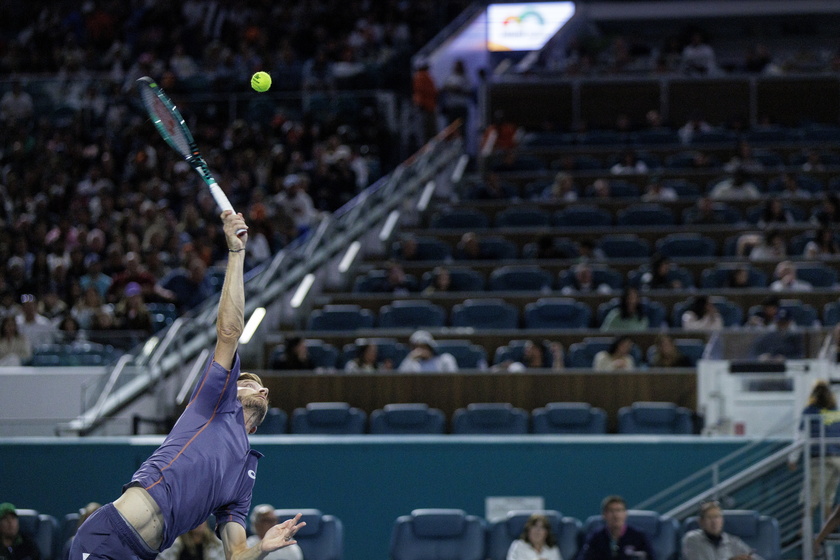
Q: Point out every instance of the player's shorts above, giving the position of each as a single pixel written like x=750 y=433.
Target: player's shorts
x=106 y=535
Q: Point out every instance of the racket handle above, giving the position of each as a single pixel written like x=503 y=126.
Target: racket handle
x=224 y=204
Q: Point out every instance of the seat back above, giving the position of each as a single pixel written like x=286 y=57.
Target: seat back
x=522 y=217
x=387 y=349
x=428 y=249
x=569 y=418
x=407 y=418
x=345 y=317
x=759 y=532
x=520 y=278
x=819 y=275
x=501 y=533
x=411 y=314
x=41 y=528
x=582 y=354
x=461 y=280
x=661 y=530
x=831 y=313
x=681 y=245
x=514 y=351
x=328 y=418
x=322 y=354
x=718 y=277
x=644 y=215
x=461 y=218
x=438 y=534
x=467 y=354
x=624 y=246
x=803 y=314
x=691 y=348
x=322 y=537
x=654 y=418
x=487 y=313
x=582 y=215
x=490 y=418
x=276 y=422
x=557 y=313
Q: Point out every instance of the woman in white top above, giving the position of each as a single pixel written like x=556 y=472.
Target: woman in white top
x=702 y=315
x=537 y=541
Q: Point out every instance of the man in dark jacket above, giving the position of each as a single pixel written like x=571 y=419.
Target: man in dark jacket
x=16 y=545
x=616 y=539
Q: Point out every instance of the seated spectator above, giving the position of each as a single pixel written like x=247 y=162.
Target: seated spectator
x=563 y=189
x=16 y=545
x=424 y=357
x=469 y=247
x=767 y=314
x=536 y=542
x=91 y=311
x=583 y=283
x=262 y=519
x=828 y=214
x=704 y=213
x=667 y=355
x=95 y=277
x=68 y=330
x=616 y=539
x=533 y=357
x=34 y=326
x=812 y=162
x=441 y=281
x=501 y=134
x=709 y=542
x=396 y=280
x=600 y=188
x=782 y=343
x=295 y=357
x=769 y=247
x=84 y=513
x=739 y=277
x=629 y=164
x=628 y=316
x=786 y=280
x=297 y=202
x=16 y=105
x=659 y=276
x=190 y=285
x=492 y=188
x=737 y=187
x=131 y=312
x=366 y=360
x=823 y=245
x=744 y=160
x=702 y=315
x=408 y=248
x=775 y=214
x=694 y=125
x=698 y=57
x=617 y=357
x=15 y=348
x=135 y=272
x=51 y=306
x=791 y=188
x=589 y=251
x=200 y=543
x=655 y=191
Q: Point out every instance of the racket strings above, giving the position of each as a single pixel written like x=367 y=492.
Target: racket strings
x=167 y=121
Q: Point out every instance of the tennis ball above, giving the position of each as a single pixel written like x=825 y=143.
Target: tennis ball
x=261 y=81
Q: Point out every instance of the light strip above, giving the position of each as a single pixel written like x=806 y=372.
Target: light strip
x=460 y=167
x=390 y=224
x=426 y=196
x=302 y=291
x=251 y=327
x=349 y=257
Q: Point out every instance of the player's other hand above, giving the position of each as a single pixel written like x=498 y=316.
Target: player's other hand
x=232 y=224
x=282 y=534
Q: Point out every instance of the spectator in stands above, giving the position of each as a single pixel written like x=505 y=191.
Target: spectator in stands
x=588 y=251
x=469 y=248
x=190 y=284
x=617 y=357
x=759 y=60
x=94 y=276
x=702 y=315
x=536 y=542
x=709 y=542
x=629 y=164
x=441 y=281
x=492 y=188
x=295 y=357
x=502 y=134
x=774 y=214
x=820 y=417
x=15 y=348
x=629 y=315
x=134 y=271
x=297 y=202
x=824 y=245
x=263 y=518
x=667 y=355
x=704 y=213
x=739 y=277
x=424 y=356
x=694 y=125
x=737 y=187
x=812 y=162
x=16 y=105
x=582 y=281
x=784 y=342
x=534 y=357
x=366 y=359
x=769 y=247
x=131 y=312
x=655 y=191
x=396 y=280
x=659 y=275
x=68 y=330
x=617 y=539
x=563 y=189
x=92 y=312
x=767 y=314
x=51 y=306
x=744 y=160
x=16 y=545
x=698 y=57
x=600 y=188
x=34 y=326
x=456 y=93
x=828 y=214
x=425 y=99
x=786 y=280
x=84 y=513
x=197 y=544
x=791 y=187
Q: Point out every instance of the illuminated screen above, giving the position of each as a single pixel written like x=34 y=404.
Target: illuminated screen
x=525 y=27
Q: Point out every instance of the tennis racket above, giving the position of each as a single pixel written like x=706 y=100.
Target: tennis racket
x=171 y=126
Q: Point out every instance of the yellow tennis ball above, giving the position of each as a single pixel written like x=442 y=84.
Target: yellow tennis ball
x=261 y=81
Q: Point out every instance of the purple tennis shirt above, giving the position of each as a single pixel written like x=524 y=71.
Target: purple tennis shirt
x=206 y=464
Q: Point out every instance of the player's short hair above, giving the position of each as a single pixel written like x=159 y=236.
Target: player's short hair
x=610 y=500
x=246 y=376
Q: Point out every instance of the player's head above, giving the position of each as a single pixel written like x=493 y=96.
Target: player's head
x=253 y=396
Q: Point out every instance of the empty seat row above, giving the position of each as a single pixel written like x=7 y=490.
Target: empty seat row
x=339 y=418
x=76 y=354
x=440 y=534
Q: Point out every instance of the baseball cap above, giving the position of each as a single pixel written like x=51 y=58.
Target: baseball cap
x=423 y=337
x=6 y=508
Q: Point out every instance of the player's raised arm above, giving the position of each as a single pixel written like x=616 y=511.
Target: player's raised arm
x=231 y=317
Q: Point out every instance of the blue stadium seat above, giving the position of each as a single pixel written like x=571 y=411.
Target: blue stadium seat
x=411 y=314
x=163 y=314
x=492 y=247
x=322 y=537
x=563 y=246
x=650 y=214
x=755 y=213
x=371 y=281
x=569 y=418
x=722 y=212
x=636 y=278
x=517 y=217
x=582 y=354
x=343 y=317
x=520 y=278
x=818 y=274
x=730 y=312
x=718 y=277
x=557 y=313
x=714 y=137
x=831 y=313
x=759 y=532
x=276 y=422
x=624 y=245
x=514 y=351
x=521 y=163
x=682 y=245
x=655 y=137
x=41 y=528
x=619 y=188
x=804 y=314
x=600 y=138
x=428 y=249
x=501 y=533
x=322 y=354
x=769 y=159
x=654 y=418
x=438 y=534
x=653 y=310
x=683 y=188
x=490 y=418
x=66 y=531
x=407 y=418
x=460 y=279
x=328 y=418
x=770 y=135
x=487 y=313
x=387 y=349
x=663 y=531
x=467 y=354
x=582 y=215
x=460 y=218
x=821 y=133
x=601 y=275
x=547 y=139
x=691 y=348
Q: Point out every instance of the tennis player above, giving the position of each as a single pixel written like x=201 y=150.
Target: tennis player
x=206 y=464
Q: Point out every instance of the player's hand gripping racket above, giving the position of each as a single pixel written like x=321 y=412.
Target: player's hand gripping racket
x=170 y=124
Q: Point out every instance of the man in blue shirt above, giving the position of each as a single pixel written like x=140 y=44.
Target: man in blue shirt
x=206 y=464
x=616 y=539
